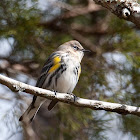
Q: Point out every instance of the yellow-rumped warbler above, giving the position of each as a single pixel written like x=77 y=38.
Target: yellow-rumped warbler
x=60 y=73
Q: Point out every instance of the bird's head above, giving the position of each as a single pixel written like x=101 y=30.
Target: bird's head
x=74 y=48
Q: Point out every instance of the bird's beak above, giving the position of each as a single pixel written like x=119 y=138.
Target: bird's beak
x=83 y=50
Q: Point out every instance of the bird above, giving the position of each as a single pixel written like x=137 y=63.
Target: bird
x=60 y=73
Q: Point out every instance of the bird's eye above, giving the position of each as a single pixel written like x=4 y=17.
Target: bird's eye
x=75 y=47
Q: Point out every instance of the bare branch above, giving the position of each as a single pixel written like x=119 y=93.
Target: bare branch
x=66 y=98
x=72 y=12
x=77 y=11
x=93 y=30
x=13 y=67
x=126 y=9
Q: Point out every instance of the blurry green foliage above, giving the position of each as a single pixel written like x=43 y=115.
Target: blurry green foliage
x=20 y=20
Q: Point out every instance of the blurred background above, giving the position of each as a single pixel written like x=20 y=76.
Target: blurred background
x=30 y=30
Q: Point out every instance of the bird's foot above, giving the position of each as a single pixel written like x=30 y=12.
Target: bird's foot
x=74 y=96
x=54 y=92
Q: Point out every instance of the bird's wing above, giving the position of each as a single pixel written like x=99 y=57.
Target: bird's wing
x=52 y=64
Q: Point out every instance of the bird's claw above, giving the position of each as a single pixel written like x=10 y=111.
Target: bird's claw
x=74 y=96
x=54 y=92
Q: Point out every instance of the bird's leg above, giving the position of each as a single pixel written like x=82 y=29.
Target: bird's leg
x=74 y=96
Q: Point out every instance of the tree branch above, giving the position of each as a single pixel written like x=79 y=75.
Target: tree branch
x=126 y=9
x=66 y=98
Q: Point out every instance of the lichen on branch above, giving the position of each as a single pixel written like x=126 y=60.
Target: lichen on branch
x=126 y=9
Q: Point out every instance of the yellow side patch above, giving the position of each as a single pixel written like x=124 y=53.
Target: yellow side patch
x=56 y=64
x=56 y=59
x=79 y=72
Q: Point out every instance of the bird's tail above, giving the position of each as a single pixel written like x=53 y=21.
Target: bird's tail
x=52 y=104
x=32 y=110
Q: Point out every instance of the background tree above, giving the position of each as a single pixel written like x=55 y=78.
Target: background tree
x=33 y=29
